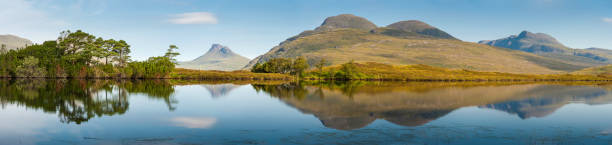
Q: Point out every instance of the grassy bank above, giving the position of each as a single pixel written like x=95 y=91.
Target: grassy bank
x=180 y=73
x=385 y=72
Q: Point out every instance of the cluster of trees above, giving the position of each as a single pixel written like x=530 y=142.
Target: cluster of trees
x=82 y=55
x=347 y=71
x=282 y=65
x=299 y=67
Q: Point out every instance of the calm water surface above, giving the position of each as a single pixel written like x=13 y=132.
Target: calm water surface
x=173 y=112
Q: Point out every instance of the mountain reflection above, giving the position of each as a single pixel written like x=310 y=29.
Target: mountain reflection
x=546 y=99
x=219 y=90
x=354 y=105
x=77 y=101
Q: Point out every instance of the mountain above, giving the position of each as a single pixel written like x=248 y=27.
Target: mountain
x=346 y=21
x=547 y=46
x=345 y=37
x=218 y=57
x=529 y=42
x=14 y=42
x=420 y=28
x=601 y=54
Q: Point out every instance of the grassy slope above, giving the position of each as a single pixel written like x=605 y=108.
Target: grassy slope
x=342 y=45
x=377 y=71
x=601 y=70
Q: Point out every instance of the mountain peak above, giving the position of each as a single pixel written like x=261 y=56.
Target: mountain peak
x=529 y=42
x=218 y=57
x=538 y=37
x=410 y=25
x=346 y=21
x=525 y=33
x=420 y=28
x=219 y=50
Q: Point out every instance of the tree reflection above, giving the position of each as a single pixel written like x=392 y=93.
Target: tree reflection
x=77 y=101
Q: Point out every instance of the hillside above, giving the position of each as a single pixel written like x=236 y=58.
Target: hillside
x=547 y=46
x=218 y=57
x=406 y=43
x=14 y=42
x=600 y=70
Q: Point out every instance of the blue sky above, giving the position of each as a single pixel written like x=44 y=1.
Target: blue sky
x=251 y=28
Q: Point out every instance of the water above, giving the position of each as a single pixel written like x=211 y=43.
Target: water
x=181 y=112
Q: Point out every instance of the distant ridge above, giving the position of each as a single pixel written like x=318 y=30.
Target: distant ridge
x=14 y=42
x=218 y=57
x=545 y=45
x=529 y=42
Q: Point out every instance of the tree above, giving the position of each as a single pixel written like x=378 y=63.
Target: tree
x=3 y=49
x=30 y=68
x=108 y=47
x=3 y=64
x=349 y=70
x=258 y=68
x=121 y=49
x=320 y=65
x=299 y=66
x=76 y=46
x=171 y=53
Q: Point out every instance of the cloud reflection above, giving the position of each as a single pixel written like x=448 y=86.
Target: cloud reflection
x=194 y=122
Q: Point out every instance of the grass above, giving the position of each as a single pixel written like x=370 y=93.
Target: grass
x=379 y=71
x=180 y=73
x=602 y=70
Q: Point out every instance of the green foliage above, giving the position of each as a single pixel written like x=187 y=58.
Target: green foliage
x=3 y=48
x=80 y=55
x=282 y=65
x=30 y=68
x=171 y=53
x=299 y=66
x=348 y=71
x=154 y=67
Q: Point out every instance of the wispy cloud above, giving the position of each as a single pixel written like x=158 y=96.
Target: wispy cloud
x=607 y=20
x=194 y=18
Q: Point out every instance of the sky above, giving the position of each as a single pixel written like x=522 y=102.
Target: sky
x=251 y=28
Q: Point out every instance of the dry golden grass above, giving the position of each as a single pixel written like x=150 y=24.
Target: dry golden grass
x=378 y=71
x=180 y=73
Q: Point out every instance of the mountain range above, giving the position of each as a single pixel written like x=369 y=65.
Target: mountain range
x=342 y=38
x=14 y=42
x=347 y=37
x=547 y=46
x=218 y=57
